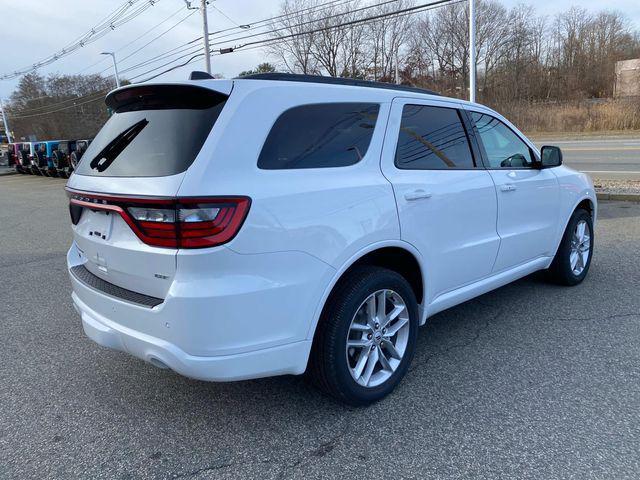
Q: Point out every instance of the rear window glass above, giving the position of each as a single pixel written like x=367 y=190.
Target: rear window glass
x=432 y=138
x=320 y=136
x=154 y=131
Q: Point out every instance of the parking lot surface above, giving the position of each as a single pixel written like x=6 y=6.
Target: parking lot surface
x=529 y=381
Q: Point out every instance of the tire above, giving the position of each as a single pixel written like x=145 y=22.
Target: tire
x=74 y=160
x=567 y=269
x=333 y=366
x=24 y=159
x=59 y=160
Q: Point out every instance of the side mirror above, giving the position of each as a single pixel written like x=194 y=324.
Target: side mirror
x=550 y=157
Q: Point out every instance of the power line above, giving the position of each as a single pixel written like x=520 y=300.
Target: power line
x=395 y=13
x=152 y=40
x=312 y=21
x=272 y=41
x=257 y=23
x=192 y=50
x=225 y=16
x=98 y=96
x=189 y=48
x=267 y=42
x=133 y=41
x=111 y=22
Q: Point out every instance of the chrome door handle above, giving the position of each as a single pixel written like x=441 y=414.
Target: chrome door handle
x=416 y=195
x=507 y=187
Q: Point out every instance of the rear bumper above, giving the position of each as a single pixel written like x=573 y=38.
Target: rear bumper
x=285 y=359
x=226 y=316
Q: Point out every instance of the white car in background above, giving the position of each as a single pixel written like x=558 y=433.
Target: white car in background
x=277 y=224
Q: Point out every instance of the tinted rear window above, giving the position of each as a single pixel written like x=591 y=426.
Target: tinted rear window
x=432 y=138
x=154 y=131
x=319 y=135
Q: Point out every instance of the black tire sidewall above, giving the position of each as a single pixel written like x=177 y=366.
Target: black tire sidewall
x=563 y=256
x=379 y=278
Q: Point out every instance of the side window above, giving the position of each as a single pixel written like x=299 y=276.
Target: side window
x=319 y=136
x=503 y=147
x=432 y=138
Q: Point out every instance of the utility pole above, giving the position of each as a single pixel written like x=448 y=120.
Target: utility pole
x=472 y=51
x=397 y=75
x=115 y=66
x=4 y=122
x=205 y=36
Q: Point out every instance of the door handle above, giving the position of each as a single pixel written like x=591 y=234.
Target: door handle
x=507 y=187
x=416 y=195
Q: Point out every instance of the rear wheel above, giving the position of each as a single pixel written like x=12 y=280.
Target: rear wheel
x=573 y=258
x=366 y=337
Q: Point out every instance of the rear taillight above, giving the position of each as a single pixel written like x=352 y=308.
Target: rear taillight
x=171 y=222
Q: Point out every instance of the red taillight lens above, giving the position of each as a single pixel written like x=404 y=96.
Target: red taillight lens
x=173 y=223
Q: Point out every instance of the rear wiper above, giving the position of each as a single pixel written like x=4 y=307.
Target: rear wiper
x=115 y=147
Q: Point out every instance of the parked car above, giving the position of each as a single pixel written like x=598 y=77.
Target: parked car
x=12 y=154
x=61 y=157
x=25 y=154
x=277 y=224
x=42 y=159
x=76 y=154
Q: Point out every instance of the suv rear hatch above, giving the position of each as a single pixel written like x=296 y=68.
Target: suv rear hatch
x=128 y=224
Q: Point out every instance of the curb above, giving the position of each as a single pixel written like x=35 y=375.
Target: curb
x=624 y=197
x=7 y=172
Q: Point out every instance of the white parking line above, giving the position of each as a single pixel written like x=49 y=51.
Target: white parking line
x=610 y=171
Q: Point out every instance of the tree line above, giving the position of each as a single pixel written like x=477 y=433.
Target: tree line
x=523 y=58
x=58 y=106
x=521 y=55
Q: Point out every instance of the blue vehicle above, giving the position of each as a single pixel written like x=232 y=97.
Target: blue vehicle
x=42 y=160
x=66 y=157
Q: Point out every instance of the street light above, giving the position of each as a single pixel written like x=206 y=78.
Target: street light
x=115 y=65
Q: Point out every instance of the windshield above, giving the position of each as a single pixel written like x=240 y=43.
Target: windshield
x=155 y=131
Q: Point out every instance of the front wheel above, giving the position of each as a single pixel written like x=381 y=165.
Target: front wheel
x=366 y=337
x=573 y=258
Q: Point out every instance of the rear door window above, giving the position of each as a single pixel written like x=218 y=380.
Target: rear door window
x=319 y=136
x=432 y=138
x=154 y=131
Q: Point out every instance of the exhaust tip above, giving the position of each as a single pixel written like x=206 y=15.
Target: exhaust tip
x=158 y=363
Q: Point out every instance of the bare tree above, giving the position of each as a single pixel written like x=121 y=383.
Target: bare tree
x=294 y=53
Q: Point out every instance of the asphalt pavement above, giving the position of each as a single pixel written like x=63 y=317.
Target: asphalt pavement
x=607 y=158
x=530 y=381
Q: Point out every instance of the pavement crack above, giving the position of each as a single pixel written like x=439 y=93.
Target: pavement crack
x=322 y=450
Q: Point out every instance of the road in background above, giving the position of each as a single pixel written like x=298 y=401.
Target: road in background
x=530 y=381
x=607 y=158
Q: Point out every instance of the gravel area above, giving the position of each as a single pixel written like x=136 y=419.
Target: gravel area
x=624 y=187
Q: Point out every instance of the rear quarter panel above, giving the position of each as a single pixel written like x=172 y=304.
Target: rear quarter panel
x=329 y=213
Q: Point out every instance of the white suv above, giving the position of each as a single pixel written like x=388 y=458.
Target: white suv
x=277 y=224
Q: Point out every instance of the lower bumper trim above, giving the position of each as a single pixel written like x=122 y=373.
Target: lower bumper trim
x=87 y=278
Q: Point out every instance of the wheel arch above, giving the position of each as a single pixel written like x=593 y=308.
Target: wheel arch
x=586 y=202
x=398 y=256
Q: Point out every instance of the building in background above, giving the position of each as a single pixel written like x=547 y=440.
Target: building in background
x=627 y=81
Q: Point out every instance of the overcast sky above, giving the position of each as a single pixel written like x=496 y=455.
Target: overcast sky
x=32 y=30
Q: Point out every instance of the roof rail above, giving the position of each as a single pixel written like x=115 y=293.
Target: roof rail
x=294 y=77
x=198 y=75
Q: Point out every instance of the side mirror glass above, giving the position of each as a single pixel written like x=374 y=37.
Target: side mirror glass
x=550 y=156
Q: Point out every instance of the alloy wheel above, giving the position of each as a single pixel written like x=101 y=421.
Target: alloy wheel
x=378 y=337
x=580 y=247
